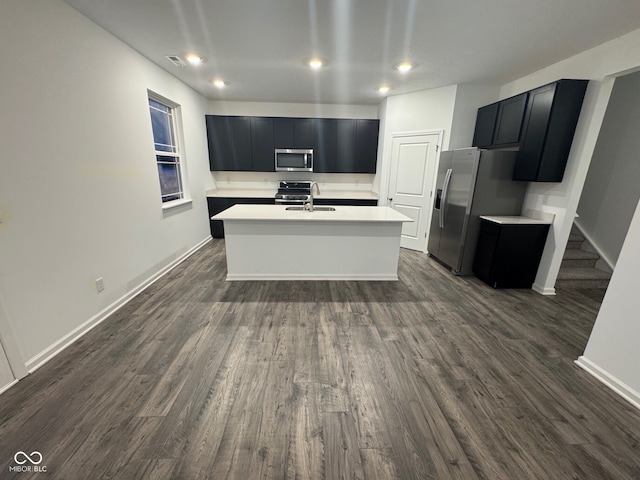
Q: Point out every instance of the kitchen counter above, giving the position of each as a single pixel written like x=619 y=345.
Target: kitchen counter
x=342 y=213
x=269 y=242
x=514 y=220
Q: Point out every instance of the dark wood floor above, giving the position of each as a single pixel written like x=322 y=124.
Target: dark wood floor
x=431 y=377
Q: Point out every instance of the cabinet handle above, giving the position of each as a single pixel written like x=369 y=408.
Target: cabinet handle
x=390 y=199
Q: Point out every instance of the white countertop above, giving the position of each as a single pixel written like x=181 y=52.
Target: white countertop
x=514 y=220
x=341 y=214
x=271 y=193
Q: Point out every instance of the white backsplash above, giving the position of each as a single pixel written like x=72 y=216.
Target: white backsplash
x=361 y=182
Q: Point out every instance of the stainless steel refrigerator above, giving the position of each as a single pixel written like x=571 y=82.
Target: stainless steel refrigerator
x=471 y=182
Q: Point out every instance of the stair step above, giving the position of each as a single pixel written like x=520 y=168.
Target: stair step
x=573 y=277
x=574 y=257
x=575 y=241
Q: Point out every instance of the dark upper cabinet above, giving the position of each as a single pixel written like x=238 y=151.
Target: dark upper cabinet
x=247 y=143
x=293 y=132
x=229 y=140
x=550 y=121
x=262 y=144
x=366 y=146
x=325 y=145
x=283 y=132
x=485 y=125
x=509 y=120
x=346 y=145
x=303 y=133
x=541 y=123
x=499 y=124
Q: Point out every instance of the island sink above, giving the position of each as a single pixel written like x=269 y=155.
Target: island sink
x=315 y=209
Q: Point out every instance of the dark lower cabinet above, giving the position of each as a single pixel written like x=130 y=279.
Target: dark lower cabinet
x=219 y=204
x=508 y=255
x=346 y=201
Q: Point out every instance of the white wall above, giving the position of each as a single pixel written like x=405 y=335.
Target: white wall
x=468 y=99
x=600 y=65
x=427 y=110
x=79 y=191
x=304 y=110
x=612 y=187
x=612 y=353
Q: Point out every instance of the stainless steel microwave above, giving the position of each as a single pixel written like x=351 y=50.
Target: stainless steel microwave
x=294 y=160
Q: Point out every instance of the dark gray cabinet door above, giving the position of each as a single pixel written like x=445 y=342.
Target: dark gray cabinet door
x=262 y=144
x=229 y=140
x=366 y=146
x=293 y=132
x=283 y=133
x=325 y=146
x=346 y=145
x=550 y=122
x=485 y=126
x=303 y=133
x=509 y=120
x=499 y=124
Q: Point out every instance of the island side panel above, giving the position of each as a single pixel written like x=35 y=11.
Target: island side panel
x=289 y=250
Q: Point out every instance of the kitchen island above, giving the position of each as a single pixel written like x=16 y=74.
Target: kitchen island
x=275 y=242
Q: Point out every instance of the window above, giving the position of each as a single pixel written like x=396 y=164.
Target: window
x=168 y=157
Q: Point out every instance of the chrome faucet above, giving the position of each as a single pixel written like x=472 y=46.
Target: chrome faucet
x=309 y=204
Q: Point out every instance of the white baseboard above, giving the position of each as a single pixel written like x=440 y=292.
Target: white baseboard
x=622 y=389
x=542 y=290
x=8 y=385
x=53 y=350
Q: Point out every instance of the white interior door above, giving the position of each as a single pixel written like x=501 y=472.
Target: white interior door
x=413 y=168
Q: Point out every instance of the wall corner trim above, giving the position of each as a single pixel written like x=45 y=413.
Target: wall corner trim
x=542 y=290
x=622 y=389
x=47 y=354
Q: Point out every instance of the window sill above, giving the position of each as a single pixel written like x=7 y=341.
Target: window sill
x=176 y=203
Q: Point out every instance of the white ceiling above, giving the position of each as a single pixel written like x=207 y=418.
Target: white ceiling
x=259 y=47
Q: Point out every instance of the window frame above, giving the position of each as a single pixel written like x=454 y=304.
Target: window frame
x=175 y=122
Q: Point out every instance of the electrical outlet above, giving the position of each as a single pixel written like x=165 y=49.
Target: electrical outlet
x=99 y=284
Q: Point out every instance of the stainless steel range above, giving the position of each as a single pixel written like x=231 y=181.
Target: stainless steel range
x=293 y=193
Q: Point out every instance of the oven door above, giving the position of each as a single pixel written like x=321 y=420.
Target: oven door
x=294 y=160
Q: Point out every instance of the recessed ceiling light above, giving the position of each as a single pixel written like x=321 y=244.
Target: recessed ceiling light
x=404 y=67
x=383 y=89
x=315 y=63
x=194 y=59
x=219 y=83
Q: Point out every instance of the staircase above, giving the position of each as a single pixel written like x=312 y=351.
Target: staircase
x=578 y=266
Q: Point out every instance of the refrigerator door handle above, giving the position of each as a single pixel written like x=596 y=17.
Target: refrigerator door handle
x=445 y=192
